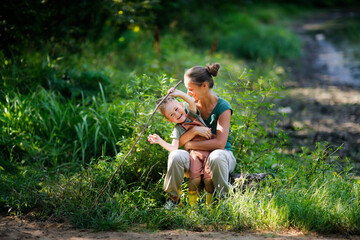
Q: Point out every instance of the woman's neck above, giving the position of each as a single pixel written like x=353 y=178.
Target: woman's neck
x=206 y=104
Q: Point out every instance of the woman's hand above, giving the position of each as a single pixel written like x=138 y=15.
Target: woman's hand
x=203 y=131
x=199 y=131
x=193 y=132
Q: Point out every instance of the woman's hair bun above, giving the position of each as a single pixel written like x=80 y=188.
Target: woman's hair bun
x=213 y=69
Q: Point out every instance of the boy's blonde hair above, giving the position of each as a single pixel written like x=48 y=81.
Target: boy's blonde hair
x=161 y=108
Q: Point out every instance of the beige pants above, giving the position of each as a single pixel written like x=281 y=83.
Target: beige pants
x=221 y=163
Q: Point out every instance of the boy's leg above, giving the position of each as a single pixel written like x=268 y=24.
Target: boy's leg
x=221 y=164
x=178 y=163
x=196 y=170
x=209 y=186
x=194 y=184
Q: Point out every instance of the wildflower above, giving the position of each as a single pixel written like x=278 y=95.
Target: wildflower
x=136 y=29
x=336 y=174
x=120 y=12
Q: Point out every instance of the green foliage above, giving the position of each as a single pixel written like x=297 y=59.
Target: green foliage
x=317 y=3
x=69 y=115
x=253 y=39
x=346 y=28
x=37 y=23
x=256 y=137
x=243 y=30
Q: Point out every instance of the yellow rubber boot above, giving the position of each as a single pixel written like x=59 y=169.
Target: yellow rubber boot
x=208 y=199
x=192 y=196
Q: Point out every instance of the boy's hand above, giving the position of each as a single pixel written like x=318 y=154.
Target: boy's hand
x=178 y=93
x=175 y=93
x=171 y=90
x=154 y=138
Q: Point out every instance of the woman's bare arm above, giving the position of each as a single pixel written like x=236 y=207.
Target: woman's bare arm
x=219 y=142
x=195 y=131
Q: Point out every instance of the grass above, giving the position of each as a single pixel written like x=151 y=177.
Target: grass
x=68 y=119
x=329 y=204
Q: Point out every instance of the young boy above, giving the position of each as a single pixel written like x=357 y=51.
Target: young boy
x=175 y=112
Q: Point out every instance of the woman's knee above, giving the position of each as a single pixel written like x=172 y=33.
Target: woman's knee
x=216 y=157
x=178 y=157
x=221 y=160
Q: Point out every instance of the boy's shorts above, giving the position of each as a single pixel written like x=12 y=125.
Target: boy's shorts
x=198 y=164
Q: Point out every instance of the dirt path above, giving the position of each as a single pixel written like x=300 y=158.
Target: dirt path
x=20 y=228
x=319 y=107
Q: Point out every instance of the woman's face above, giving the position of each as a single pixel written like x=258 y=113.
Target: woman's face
x=193 y=89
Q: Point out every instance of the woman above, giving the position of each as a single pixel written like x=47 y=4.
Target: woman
x=216 y=113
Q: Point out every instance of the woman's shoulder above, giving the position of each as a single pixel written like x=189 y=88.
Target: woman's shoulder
x=223 y=101
x=223 y=104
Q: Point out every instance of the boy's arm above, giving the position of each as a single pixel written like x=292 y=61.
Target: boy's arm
x=170 y=147
x=185 y=97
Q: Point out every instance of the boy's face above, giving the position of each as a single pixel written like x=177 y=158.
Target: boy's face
x=175 y=112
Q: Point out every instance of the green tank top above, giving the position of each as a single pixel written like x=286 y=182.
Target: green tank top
x=221 y=106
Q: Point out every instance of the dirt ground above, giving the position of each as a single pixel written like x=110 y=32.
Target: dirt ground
x=319 y=109
x=20 y=228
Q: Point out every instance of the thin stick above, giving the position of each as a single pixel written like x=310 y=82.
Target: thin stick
x=141 y=133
